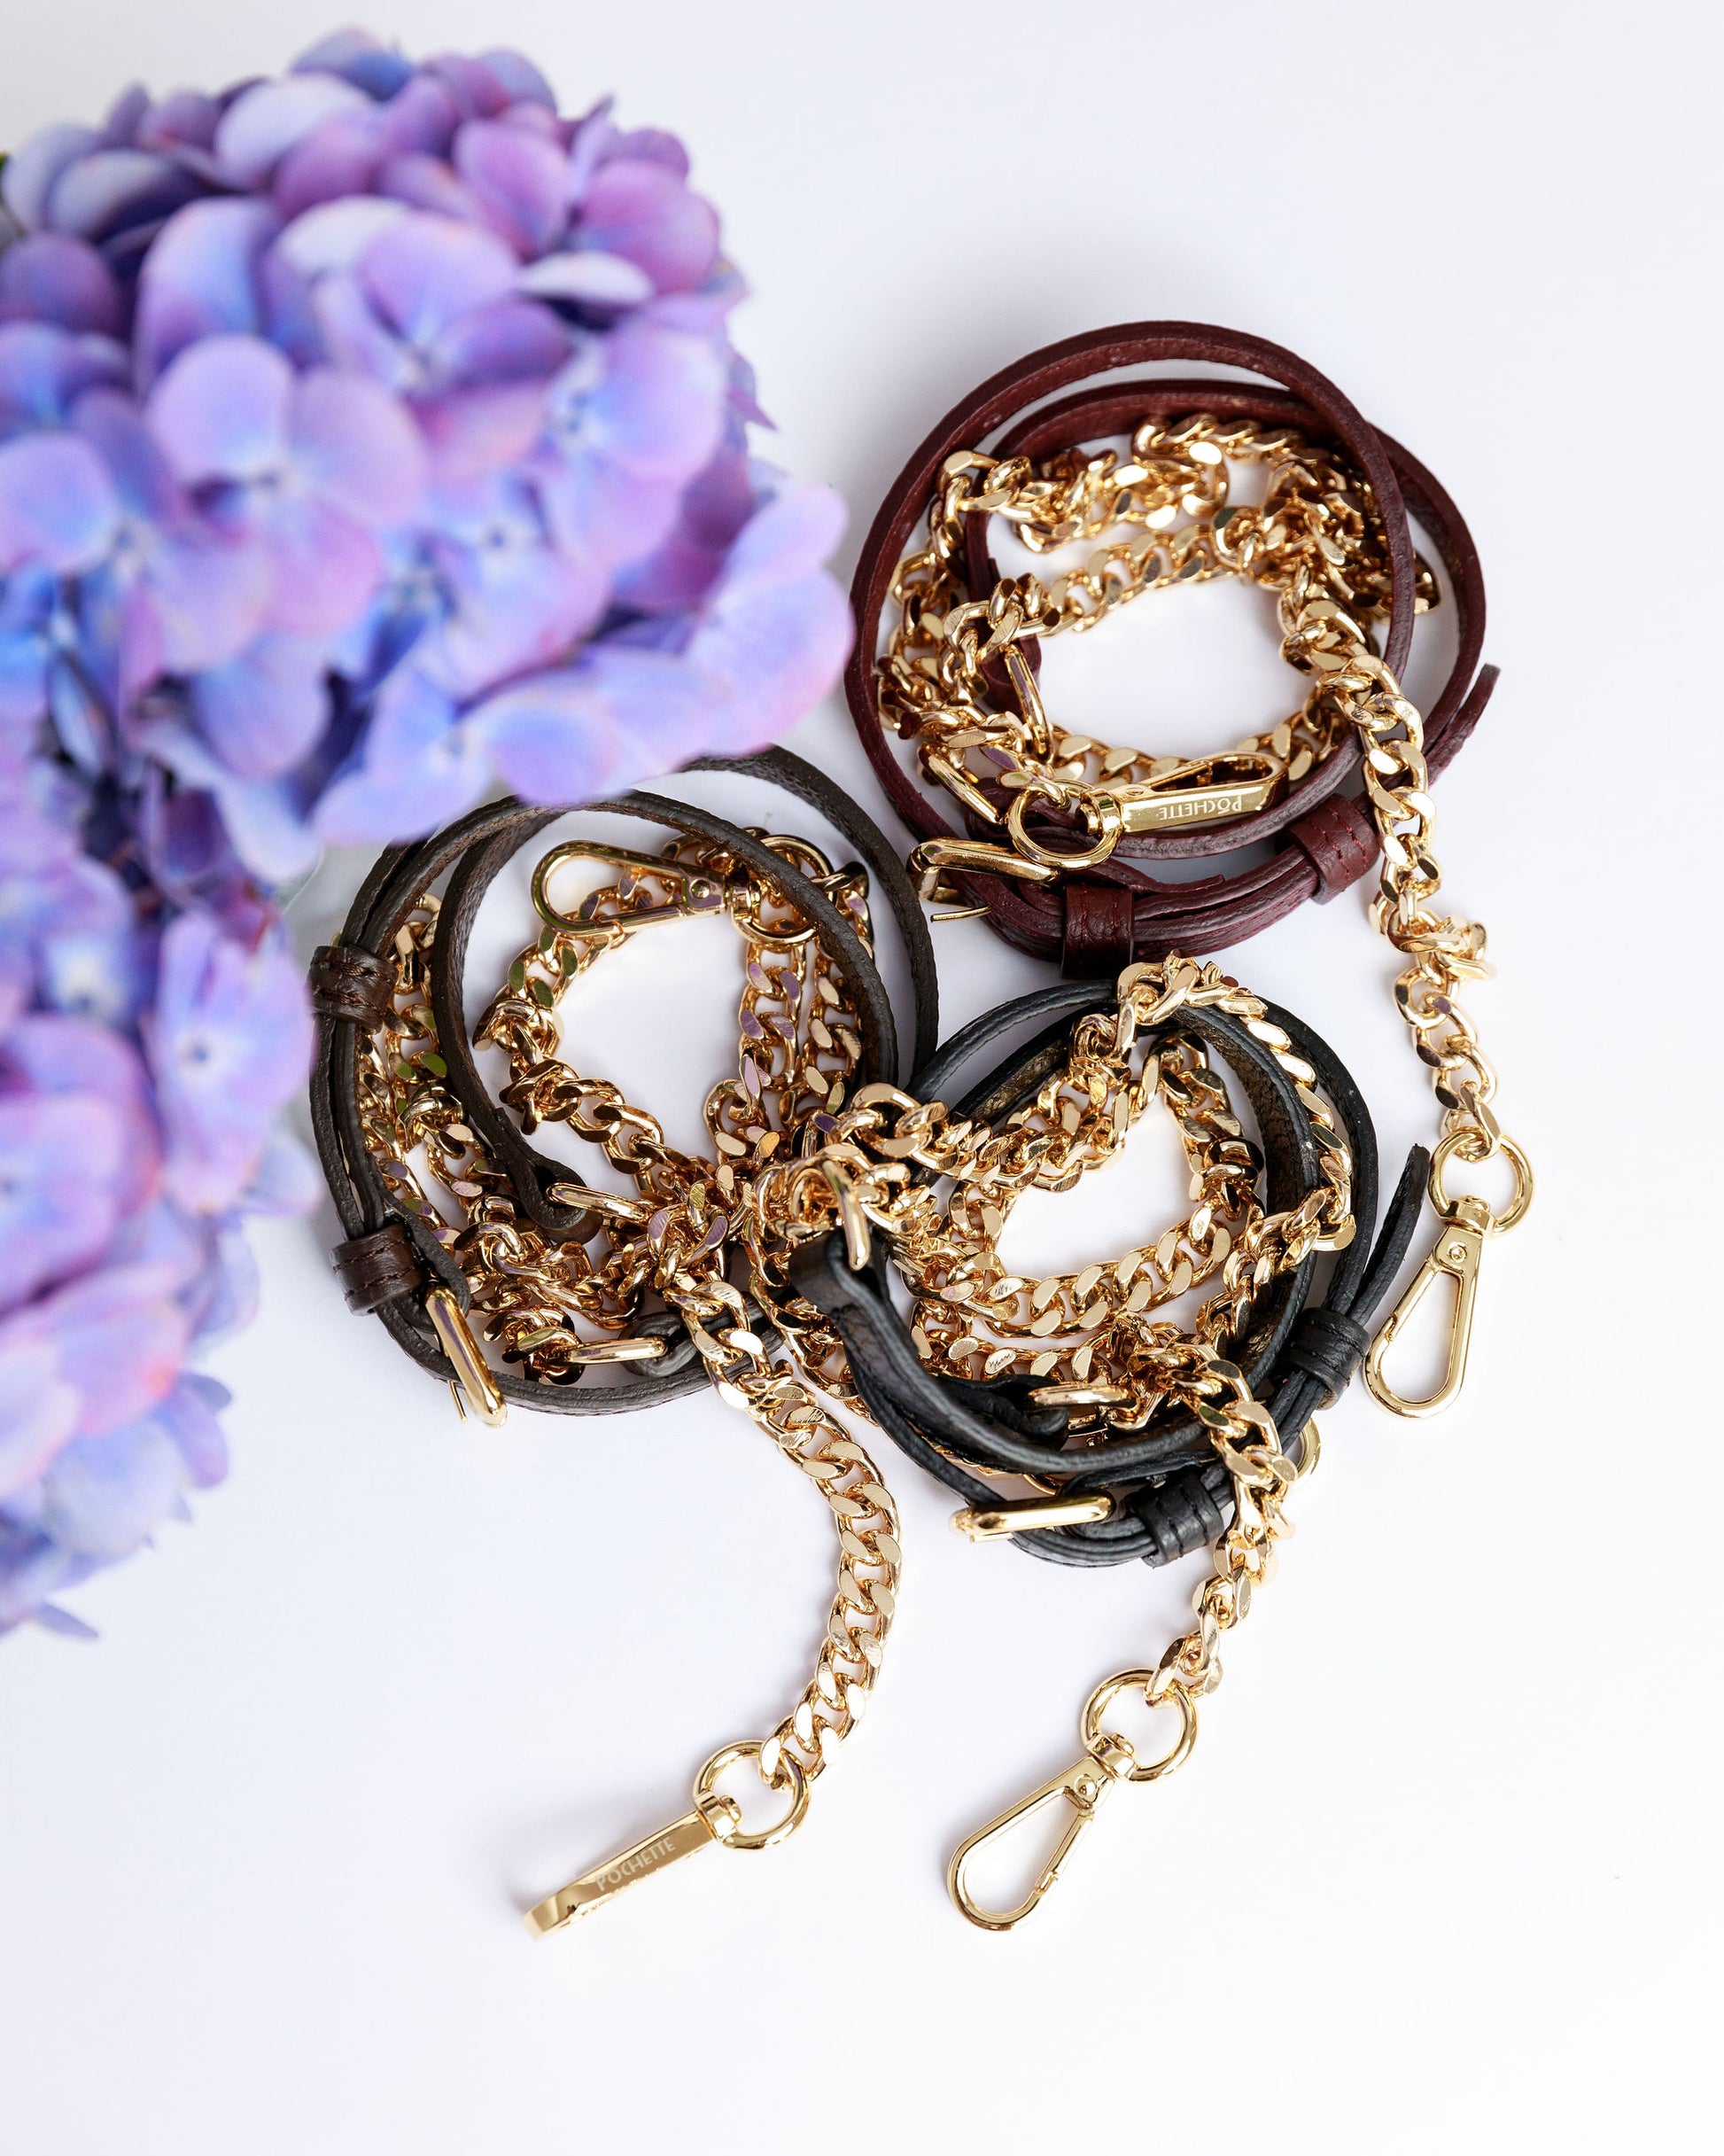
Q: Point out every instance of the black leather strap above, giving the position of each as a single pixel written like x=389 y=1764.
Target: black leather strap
x=1172 y=1494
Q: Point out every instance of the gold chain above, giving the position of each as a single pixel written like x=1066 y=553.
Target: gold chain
x=1243 y=1435
x=1317 y=543
x=1316 y=534
x=800 y=1044
x=1092 y=1336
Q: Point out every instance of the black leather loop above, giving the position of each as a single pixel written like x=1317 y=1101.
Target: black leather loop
x=1172 y=1494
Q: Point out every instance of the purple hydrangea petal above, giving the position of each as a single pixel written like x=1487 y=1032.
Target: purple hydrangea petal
x=185 y=120
x=263 y=711
x=262 y=820
x=38 y=1411
x=636 y=209
x=519 y=78
x=357 y=57
x=520 y=180
x=59 y=1171
x=336 y=235
x=326 y=568
x=616 y=716
x=263 y=124
x=629 y=428
x=70 y=1058
x=421 y=768
x=716 y=506
x=58 y=504
x=776 y=633
x=287 y=1184
x=103 y=1495
x=45 y=370
x=38 y=161
x=201 y=278
x=118 y=1337
x=220 y=410
x=590 y=277
x=421 y=118
x=229 y=1043
x=516 y=603
x=421 y=182
x=52 y=278
x=340 y=159
x=426 y=271
x=357 y=448
x=107 y=192
x=657 y=147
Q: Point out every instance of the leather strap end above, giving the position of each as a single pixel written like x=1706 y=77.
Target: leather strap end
x=379 y=1268
x=349 y=984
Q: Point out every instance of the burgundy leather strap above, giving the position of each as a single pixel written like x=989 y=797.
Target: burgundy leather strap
x=1219 y=910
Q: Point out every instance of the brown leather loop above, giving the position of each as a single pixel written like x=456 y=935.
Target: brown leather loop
x=1340 y=839
x=376 y=1269
x=348 y=983
x=1222 y=909
x=1098 y=930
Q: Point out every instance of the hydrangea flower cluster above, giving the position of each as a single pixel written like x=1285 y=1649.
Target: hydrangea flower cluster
x=368 y=438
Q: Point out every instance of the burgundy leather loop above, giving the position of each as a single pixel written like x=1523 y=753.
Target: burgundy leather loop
x=1215 y=911
x=1098 y=930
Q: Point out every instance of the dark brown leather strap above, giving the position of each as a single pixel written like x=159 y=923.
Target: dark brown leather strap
x=388 y=1260
x=1081 y=931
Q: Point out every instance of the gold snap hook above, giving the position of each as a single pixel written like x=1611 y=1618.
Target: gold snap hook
x=1468 y=1224
x=1107 y=1760
x=1082 y=1787
x=694 y=893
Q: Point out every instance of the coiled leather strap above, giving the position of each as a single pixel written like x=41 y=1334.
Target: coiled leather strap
x=1172 y=1494
x=1096 y=924
x=388 y=1260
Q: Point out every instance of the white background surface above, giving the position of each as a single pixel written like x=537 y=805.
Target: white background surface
x=1442 y=1869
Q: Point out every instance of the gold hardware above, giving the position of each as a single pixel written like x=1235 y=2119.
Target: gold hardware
x=474 y=1385
x=1108 y=1761
x=858 y=1244
x=1245 y=1440
x=1103 y=818
x=714 y=1819
x=1019 y=1516
x=1468 y=1223
x=1165 y=806
x=936 y=853
x=694 y=894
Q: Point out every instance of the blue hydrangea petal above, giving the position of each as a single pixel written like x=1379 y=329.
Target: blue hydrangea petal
x=220 y=411
x=264 y=711
x=57 y=505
